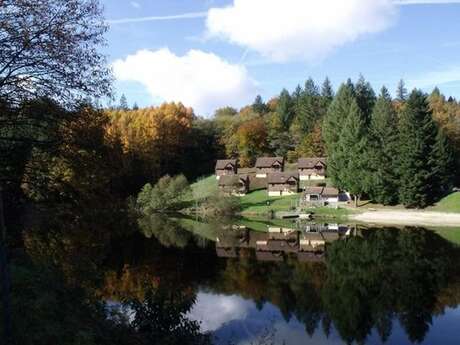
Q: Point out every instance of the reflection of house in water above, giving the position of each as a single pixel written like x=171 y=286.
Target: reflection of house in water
x=308 y=244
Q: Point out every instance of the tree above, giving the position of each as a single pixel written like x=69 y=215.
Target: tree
x=327 y=92
x=123 y=103
x=417 y=137
x=336 y=115
x=259 y=106
x=226 y=111
x=284 y=109
x=312 y=145
x=443 y=162
x=168 y=194
x=350 y=158
x=383 y=150
x=365 y=97
x=251 y=138
x=50 y=48
x=401 y=91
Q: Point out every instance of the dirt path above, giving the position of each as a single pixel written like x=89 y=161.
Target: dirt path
x=408 y=217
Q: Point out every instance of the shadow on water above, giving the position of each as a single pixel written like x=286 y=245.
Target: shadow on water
x=171 y=279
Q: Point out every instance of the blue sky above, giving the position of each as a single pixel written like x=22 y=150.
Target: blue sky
x=224 y=52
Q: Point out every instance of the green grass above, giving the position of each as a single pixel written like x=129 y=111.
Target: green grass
x=259 y=203
x=339 y=215
x=450 y=203
x=450 y=234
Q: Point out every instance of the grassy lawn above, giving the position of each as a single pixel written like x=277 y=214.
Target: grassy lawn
x=259 y=203
x=450 y=203
x=450 y=234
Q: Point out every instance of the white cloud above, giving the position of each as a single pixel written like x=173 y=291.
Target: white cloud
x=190 y=15
x=307 y=29
x=198 y=79
x=213 y=311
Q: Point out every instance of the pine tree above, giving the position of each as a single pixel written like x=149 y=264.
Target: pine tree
x=383 y=151
x=259 y=106
x=123 y=103
x=365 y=96
x=327 y=94
x=336 y=115
x=443 y=163
x=285 y=109
x=308 y=109
x=401 y=91
x=417 y=138
x=350 y=156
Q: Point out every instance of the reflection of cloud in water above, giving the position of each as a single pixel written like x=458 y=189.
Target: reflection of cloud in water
x=213 y=311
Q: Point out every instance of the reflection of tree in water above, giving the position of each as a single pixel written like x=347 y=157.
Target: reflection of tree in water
x=160 y=318
x=364 y=284
x=167 y=231
x=386 y=274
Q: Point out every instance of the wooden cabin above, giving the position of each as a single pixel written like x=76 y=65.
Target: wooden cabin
x=322 y=195
x=312 y=168
x=234 y=184
x=267 y=165
x=226 y=167
x=280 y=184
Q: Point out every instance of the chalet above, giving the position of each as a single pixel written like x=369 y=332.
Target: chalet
x=225 y=167
x=324 y=195
x=282 y=183
x=266 y=165
x=234 y=184
x=311 y=168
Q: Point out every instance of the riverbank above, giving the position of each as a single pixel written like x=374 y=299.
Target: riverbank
x=407 y=217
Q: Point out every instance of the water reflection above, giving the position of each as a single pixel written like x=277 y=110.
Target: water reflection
x=279 y=242
x=240 y=281
x=355 y=284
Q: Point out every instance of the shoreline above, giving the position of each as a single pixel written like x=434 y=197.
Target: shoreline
x=407 y=217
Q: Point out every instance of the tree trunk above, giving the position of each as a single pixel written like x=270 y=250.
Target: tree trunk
x=356 y=201
x=5 y=276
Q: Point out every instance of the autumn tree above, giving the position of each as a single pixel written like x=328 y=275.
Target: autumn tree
x=152 y=139
x=251 y=139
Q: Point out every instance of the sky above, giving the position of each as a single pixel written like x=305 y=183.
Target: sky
x=213 y=53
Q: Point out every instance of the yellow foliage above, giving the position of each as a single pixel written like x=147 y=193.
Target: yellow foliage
x=145 y=130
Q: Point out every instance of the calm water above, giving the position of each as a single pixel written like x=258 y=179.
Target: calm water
x=296 y=283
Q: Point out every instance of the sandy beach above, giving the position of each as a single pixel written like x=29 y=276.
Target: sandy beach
x=409 y=218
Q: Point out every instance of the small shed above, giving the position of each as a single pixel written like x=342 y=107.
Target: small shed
x=266 y=165
x=234 y=184
x=226 y=167
x=285 y=183
x=312 y=168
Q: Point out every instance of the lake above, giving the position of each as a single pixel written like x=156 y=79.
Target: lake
x=256 y=282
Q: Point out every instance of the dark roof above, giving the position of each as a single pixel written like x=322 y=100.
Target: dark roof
x=222 y=163
x=280 y=178
x=267 y=162
x=231 y=180
x=324 y=191
x=309 y=163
